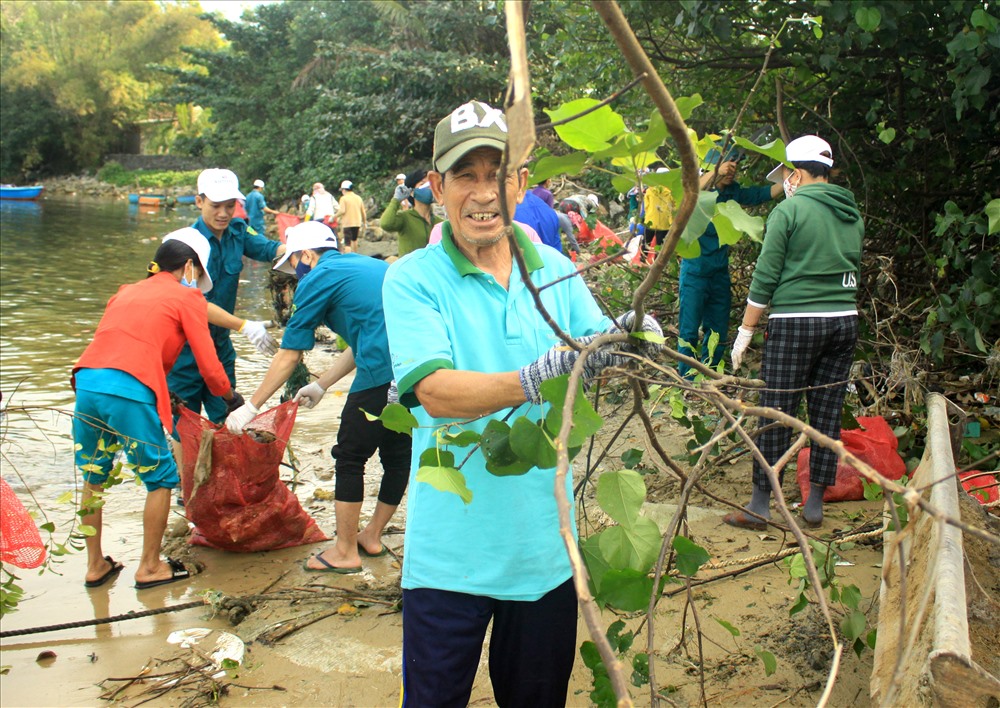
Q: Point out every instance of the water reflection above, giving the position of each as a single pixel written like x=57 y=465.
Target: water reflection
x=61 y=259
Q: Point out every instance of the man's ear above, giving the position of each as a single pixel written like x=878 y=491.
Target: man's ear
x=522 y=183
x=436 y=180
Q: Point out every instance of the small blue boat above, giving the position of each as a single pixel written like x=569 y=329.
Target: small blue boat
x=186 y=199
x=10 y=191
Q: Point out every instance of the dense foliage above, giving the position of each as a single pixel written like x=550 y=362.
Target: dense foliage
x=78 y=77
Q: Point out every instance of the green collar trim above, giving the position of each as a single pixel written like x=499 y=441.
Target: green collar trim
x=464 y=266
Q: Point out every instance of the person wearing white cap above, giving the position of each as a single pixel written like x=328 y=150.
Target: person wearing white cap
x=229 y=241
x=344 y=292
x=351 y=216
x=256 y=207
x=807 y=276
x=469 y=345
x=122 y=397
x=400 y=178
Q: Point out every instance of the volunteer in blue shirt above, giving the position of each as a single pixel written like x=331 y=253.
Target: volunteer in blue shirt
x=256 y=207
x=467 y=346
x=229 y=240
x=344 y=292
x=706 y=294
x=534 y=212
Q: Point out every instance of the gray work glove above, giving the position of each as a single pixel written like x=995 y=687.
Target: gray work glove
x=402 y=192
x=560 y=359
x=640 y=346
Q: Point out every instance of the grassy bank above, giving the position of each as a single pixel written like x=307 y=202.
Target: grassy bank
x=113 y=173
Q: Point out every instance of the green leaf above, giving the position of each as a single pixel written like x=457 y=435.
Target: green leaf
x=872 y=638
x=687 y=104
x=586 y=421
x=636 y=547
x=655 y=133
x=801 y=603
x=853 y=625
x=731 y=221
x=770 y=663
x=689 y=556
x=86 y=530
x=433 y=457
x=626 y=590
x=775 y=149
x=596 y=564
x=445 y=479
x=592 y=132
x=529 y=442
x=395 y=417
x=992 y=212
x=640 y=669
x=728 y=627
x=887 y=135
x=851 y=596
x=703 y=212
x=591 y=657
x=65 y=497
x=461 y=439
x=48 y=527
x=501 y=459
x=553 y=165
x=631 y=458
x=619 y=642
x=796 y=565
x=868 y=18
x=621 y=495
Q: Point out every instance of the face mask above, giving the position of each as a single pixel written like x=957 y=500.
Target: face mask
x=424 y=195
x=189 y=283
x=302 y=269
x=789 y=187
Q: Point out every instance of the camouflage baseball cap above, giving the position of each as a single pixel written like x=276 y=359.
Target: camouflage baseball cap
x=470 y=126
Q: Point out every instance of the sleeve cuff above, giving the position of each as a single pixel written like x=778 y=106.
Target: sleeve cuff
x=762 y=306
x=405 y=385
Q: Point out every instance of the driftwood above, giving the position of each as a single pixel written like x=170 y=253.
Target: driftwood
x=924 y=655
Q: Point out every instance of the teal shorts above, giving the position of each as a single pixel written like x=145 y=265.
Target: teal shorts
x=102 y=421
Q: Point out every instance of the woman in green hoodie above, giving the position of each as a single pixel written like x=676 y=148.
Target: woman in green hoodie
x=807 y=276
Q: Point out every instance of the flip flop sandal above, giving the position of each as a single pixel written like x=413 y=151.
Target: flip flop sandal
x=329 y=567
x=177 y=570
x=743 y=520
x=366 y=554
x=115 y=569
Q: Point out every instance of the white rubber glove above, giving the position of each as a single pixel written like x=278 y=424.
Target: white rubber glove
x=309 y=395
x=740 y=346
x=258 y=335
x=241 y=417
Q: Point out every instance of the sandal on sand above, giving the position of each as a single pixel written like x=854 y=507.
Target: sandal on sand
x=330 y=568
x=177 y=572
x=115 y=569
x=743 y=520
x=366 y=554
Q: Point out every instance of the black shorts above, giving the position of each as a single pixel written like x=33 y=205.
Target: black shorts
x=349 y=233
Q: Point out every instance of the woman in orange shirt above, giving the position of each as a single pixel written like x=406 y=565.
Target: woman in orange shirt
x=122 y=398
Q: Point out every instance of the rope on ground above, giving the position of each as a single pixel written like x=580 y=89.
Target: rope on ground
x=100 y=620
x=785 y=552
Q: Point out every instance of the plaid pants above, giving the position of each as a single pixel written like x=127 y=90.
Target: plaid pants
x=802 y=352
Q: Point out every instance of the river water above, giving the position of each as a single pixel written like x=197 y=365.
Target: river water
x=61 y=259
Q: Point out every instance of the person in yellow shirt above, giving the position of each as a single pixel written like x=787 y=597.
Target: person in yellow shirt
x=352 y=219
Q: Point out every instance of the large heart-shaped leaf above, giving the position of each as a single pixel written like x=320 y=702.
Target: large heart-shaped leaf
x=775 y=150
x=553 y=165
x=621 y=495
x=594 y=560
x=586 y=421
x=530 y=443
x=445 y=479
x=626 y=590
x=634 y=547
x=501 y=459
x=731 y=222
x=592 y=132
x=688 y=556
x=703 y=212
x=395 y=417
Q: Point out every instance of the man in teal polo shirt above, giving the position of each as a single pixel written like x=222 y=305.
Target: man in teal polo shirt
x=343 y=292
x=256 y=207
x=229 y=240
x=468 y=345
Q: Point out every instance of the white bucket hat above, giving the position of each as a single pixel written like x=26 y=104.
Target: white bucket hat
x=199 y=244
x=309 y=234
x=808 y=148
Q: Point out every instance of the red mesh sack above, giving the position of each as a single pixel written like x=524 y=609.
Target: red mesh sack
x=20 y=542
x=239 y=503
x=874 y=444
x=285 y=221
x=981 y=486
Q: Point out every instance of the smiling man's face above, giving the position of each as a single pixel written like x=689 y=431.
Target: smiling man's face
x=470 y=197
